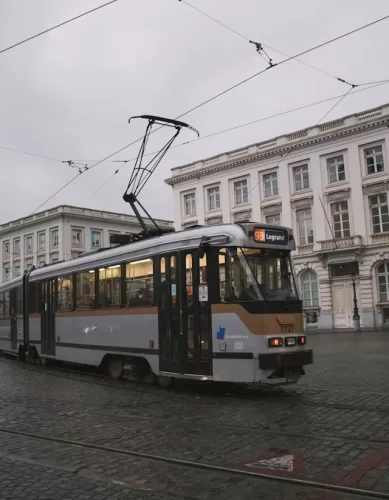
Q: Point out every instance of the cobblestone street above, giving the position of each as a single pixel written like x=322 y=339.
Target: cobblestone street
x=69 y=435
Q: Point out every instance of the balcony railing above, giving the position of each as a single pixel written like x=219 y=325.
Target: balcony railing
x=341 y=243
x=380 y=238
x=305 y=249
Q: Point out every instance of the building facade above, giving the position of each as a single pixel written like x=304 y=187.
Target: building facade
x=330 y=183
x=61 y=233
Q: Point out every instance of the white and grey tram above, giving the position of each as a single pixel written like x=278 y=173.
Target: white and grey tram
x=210 y=303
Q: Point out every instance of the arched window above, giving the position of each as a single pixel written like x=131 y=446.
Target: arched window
x=310 y=289
x=383 y=281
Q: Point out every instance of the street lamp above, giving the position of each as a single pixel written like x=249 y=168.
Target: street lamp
x=356 y=317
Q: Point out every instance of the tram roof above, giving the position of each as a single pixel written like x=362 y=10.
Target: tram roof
x=220 y=235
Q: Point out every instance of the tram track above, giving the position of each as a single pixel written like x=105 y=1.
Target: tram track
x=194 y=394
x=317 y=485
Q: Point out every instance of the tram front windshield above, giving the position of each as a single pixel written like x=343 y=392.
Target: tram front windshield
x=248 y=274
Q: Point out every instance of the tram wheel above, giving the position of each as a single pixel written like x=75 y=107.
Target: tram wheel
x=165 y=381
x=115 y=368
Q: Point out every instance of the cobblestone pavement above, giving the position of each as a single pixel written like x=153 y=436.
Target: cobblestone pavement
x=331 y=428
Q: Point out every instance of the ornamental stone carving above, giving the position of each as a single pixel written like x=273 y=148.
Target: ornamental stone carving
x=302 y=202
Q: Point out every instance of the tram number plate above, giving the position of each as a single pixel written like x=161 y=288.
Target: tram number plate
x=287 y=328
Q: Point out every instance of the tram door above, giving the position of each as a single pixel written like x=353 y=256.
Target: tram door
x=13 y=312
x=48 y=317
x=185 y=336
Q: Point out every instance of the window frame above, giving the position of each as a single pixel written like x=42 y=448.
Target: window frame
x=386 y=275
x=379 y=144
x=272 y=187
x=16 y=241
x=307 y=237
x=310 y=281
x=335 y=164
x=379 y=214
x=300 y=170
x=95 y=231
x=341 y=221
x=81 y=243
x=216 y=195
x=192 y=204
x=41 y=248
x=54 y=243
x=272 y=216
x=7 y=254
x=27 y=237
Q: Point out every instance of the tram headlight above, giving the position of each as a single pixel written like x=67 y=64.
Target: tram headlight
x=302 y=340
x=275 y=342
x=290 y=341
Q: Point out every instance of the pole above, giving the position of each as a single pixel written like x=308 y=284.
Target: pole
x=356 y=317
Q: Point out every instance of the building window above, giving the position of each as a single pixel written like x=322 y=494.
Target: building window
x=374 y=160
x=42 y=240
x=17 y=271
x=241 y=192
x=379 y=213
x=41 y=261
x=54 y=238
x=383 y=281
x=335 y=169
x=304 y=226
x=77 y=238
x=213 y=198
x=301 y=177
x=54 y=259
x=190 y=204
x=340 y=219
x=28 y=244
x=85 y=289
x=65 y=293
x=7 y=273
x=96 y=239
x=110 y=286
x=6 y=247
x=274 y=220
x=139 y=283
x=17 y=247
x=270 y=185
x=310 y=289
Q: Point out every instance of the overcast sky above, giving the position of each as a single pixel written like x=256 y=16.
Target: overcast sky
x=69 y=94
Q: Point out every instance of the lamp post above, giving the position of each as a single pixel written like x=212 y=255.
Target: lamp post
x=356 y=317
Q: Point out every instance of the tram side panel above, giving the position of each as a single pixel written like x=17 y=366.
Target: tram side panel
x=86 y=338
x=5 y=334
x=35 y=332
x=240 y=343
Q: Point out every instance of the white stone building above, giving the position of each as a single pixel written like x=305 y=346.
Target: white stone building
x=60 y=233
x=331 y=184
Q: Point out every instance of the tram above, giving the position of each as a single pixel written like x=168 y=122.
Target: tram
x=214 y=303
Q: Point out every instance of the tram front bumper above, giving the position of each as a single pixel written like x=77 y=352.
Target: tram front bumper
x=287 y=360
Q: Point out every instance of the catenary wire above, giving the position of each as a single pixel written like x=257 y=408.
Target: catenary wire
x=229 y=89
x=56 y=26
x=236 y=127
x=263 y=44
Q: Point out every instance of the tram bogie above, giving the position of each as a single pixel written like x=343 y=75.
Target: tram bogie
x=216 y=303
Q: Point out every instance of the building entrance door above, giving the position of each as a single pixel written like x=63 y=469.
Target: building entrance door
x=343 y=303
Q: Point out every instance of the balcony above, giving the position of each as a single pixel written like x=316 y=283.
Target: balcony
x=378 y=239
x=341 y=244
x=305 y=249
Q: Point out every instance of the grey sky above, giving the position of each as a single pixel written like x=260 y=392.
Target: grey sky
x=69 y=94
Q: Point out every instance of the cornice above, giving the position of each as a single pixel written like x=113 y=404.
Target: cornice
x=285 y=148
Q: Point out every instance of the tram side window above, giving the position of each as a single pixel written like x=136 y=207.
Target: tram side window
x=109 y=286
x=235 y=277
x=2 y=305
x=139 y=283
x=65 y=293
x=6 y=304
x=19 y=301
x=34 y=297
x=85 y=290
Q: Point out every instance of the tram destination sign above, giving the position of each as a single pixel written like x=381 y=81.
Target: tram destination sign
x=270 y=236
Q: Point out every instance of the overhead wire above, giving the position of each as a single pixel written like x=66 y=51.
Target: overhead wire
x=217 y=21
x=56 y=26
x=236 y=127
x=232 y=87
